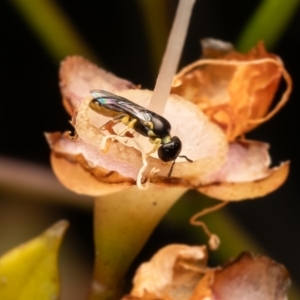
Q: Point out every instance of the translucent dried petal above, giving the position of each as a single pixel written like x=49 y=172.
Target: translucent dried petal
x=235 y=191
x=78 y=76
x=235 y=90
x=246 y=161
x=74 y=171
x=177 y=272
x=172 y=272
x=251 y=277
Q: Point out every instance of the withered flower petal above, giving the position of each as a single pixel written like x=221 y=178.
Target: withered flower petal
x=179 y=272
x=74 y=171
x=91 y=163
x=172 y=273
x=246 y=173
x=235 y=90
x=78 y=76
x=251 y=277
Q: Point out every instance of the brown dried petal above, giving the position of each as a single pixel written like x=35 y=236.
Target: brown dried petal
x=251 y=277
x=235 y=90
x=78 y=76
x=245 y=174
x=235 y=191
x=179 y=272
x=172 y=273
x=77 y=174
x=246 y=161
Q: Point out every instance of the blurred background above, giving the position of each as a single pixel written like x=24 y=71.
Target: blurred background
x=128 y=38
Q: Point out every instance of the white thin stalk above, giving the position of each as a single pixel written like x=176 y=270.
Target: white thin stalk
x=171 y=57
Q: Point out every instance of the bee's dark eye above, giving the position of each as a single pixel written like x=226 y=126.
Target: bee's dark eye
x=170 y=151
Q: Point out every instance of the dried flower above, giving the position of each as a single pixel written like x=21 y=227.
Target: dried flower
x=179 y=272
x=92 y=164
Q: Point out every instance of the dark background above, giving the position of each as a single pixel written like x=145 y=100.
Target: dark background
x=31 y=103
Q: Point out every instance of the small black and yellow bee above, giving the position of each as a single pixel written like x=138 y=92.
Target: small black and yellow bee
x=142 y=120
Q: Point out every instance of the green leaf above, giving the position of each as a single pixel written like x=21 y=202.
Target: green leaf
x=30 y=271
x=268 y=23
x=53 y=28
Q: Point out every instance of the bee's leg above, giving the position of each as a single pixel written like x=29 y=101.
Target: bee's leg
x=129 y=124
x=111 y=123
x=151 y=126
x=156 y=142
x=109 y=127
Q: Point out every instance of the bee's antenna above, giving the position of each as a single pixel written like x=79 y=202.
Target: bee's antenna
x=171 y=169
x=188 y=159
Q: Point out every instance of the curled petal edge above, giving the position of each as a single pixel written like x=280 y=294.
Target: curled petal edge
x=75 y=173
x=237 y=191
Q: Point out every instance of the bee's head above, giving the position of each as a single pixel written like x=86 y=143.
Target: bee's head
x=170 y=149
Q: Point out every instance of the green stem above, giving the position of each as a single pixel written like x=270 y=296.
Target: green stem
x=53 y=28
x=268 y=23
x=123 y=223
